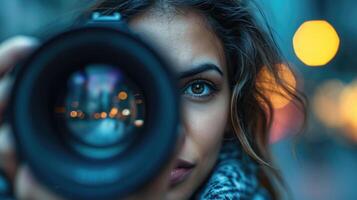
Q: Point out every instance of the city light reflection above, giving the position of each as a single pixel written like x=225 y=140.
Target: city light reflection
x=139 y=122
x=103 y=115
x=122 y=95
x=96 y=115
x=113 y=112
x=126 y=112
x=73 y=114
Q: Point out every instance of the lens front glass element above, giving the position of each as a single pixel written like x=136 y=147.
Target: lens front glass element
x=101 y=108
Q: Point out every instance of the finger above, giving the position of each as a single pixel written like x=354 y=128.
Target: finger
x=11 y=52
x=5 y=86
x=8 y=160
x=15 y=49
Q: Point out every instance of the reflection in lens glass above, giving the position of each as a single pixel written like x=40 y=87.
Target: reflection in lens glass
x=101 y=106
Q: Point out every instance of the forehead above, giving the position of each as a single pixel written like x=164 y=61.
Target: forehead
x=185 y=37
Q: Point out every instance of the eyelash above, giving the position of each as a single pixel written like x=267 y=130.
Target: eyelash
x=208 y=85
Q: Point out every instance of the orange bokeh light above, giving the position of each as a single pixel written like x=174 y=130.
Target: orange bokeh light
x=348 y=110
x=113 y=112
x=335 y=105
x=122 y=95
x=270 y=87
x=97 y=115
x=326 y=102
x=103 y=115
x=73 y=114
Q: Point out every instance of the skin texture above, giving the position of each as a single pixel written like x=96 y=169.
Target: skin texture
x=189 y=43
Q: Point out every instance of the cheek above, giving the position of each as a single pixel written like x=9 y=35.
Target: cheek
x=205 y=125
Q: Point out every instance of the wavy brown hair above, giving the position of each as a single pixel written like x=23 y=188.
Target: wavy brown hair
x=249 y=48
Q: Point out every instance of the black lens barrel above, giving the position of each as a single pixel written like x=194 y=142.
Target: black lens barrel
x=37 y=86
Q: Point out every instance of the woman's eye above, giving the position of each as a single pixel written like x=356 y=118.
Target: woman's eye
x=199 y=89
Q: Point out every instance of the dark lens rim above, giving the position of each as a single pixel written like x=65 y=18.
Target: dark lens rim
x=61 y=170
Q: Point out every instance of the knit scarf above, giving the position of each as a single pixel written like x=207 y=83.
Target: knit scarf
x=234 y=177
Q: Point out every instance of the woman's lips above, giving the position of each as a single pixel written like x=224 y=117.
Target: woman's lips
x=182 y=170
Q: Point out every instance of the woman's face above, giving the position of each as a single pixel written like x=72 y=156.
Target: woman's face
x=197 y=56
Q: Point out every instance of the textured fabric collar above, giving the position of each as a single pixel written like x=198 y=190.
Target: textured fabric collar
x=233 y=178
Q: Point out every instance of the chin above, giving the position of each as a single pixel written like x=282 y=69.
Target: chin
x=177 y=195
x=184 y=190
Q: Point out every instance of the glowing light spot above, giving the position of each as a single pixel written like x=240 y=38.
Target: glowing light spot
x=335 y=104
x=139 y=123
x=122 y=95
x=125 y=112
x=348 y=110
x=80 y=114
x=113 y=112
x=73 y=114
x=268 y=85
x=325 y=102
x=316 y=42
x=103 y=115
x=96 y=115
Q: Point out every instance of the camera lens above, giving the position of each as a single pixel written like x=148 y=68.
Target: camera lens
x=102 y=109
x=95 y=112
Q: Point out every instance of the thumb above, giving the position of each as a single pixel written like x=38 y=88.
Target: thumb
x=14 y=49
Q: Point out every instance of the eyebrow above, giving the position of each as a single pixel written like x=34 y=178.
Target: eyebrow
x=199 y=69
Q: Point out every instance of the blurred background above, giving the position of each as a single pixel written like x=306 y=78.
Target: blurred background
x=319 y=39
